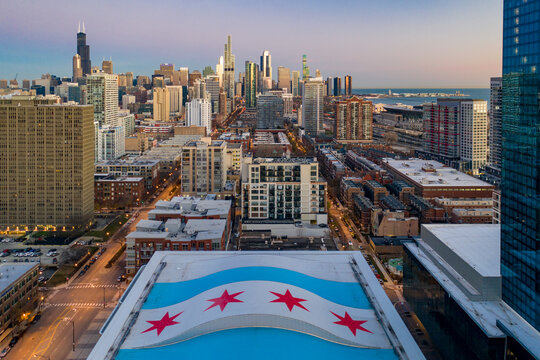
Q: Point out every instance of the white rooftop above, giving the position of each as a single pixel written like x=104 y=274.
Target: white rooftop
x=478 y=244
x=11 y=272
x=431 y=173
x=327 y=288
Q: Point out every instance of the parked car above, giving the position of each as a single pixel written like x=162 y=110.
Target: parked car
x=5 y=352
x=36 y=318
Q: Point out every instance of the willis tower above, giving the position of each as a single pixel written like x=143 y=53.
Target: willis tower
x=83 y=50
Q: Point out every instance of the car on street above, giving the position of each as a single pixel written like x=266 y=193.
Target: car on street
x=36 y=318
x=13 y=341
x=5 y=352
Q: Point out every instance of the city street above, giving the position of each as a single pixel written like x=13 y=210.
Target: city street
x=68 y=310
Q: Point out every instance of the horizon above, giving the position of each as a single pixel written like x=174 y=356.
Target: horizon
x=433 y=44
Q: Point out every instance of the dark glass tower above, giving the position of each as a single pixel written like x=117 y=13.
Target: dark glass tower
x=337 y=86
x=84 y=52
x=520 y=206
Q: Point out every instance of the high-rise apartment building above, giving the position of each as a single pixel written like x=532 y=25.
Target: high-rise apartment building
x=495 y=123
x=228 y=69
x=456 y=130
x=269 y=112
x=199 y=113
x=295 y=83
x=204 y=168
x=107 y=66
x=46 y=164
x=348 y=85
x=111 y=143
x=313 y=105
x=287 y=104
x=284 y=78
x=176 y=94
x=83 y=51
x=194 y=76
x=283 y=189
x=305 y=68
x=354 y=119
x=520 y=205
x=77 y=68
x=222 y=102
x=329 y=86
x=473 y=134
x=337 y=86
x=129 y=79
x=102 y=93
x=250 y=85
x=161 y=104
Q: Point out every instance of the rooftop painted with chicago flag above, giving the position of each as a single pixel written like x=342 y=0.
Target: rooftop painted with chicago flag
x=255 y=305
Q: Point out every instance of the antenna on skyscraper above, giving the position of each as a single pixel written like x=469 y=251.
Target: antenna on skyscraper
x=79 y=29
x=83 y=28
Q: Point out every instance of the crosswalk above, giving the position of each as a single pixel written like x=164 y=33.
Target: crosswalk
x=91 y=286
x=75 y=305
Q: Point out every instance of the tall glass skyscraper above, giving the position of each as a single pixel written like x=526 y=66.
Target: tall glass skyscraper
x=84 y=51
x=520 y=206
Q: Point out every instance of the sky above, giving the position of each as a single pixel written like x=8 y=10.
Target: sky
x=380 y=43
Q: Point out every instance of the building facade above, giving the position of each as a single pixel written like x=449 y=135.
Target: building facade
x=102 y=93
x=337 y=86
x=284 y=78
x=354 y=119
x=269 y=112
x=83 y=51
x=228 y=69
x=111 y=143
x=46 y=164
x=161 y=104
x=199 y=113
x=520 y=203
x=348 y=85
x=250 y=84
x=204 y=168
x=283 y=189
x=495 y=123
x=313 y=106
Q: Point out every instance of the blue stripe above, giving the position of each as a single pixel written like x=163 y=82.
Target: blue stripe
x=344 y=293
x=256 y=343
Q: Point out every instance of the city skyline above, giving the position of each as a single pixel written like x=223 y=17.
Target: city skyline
x=433 y=49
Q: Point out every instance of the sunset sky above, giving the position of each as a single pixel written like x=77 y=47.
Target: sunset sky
x=382 y=43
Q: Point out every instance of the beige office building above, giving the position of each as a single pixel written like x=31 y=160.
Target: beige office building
x=162 y=104
x=107 y=67
x=46 y=164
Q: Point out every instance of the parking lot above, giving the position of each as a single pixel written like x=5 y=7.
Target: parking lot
x=18 y=252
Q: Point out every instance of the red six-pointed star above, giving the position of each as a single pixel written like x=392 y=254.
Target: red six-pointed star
x=224 y=299
x=289 y=300
x=353 y=325
x=159 y=325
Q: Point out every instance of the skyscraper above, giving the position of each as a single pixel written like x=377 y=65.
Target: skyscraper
x=103 y=94
x=184 y=76
x=313 y=105
x=329 y=86
x=107 y=66
x=49 y=165
x=250 y=86
x=77 y=68
x=520 y=205
x=295 y=83
x=228 y=69
x=473 y=135
x=305 y=68
x=348 y=85
x=495 y=123
x=337 y=86
x=284 y=78
x=269 y=112
x=161 y=104
x=354 y=119
x=266 y=64
x=83 y=50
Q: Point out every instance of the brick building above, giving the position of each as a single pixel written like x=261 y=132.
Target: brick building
x=113 y=191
